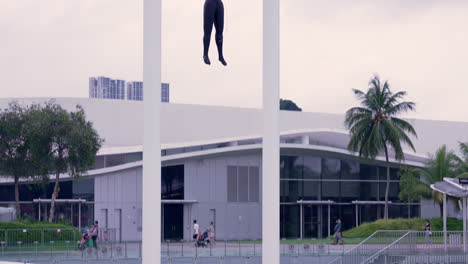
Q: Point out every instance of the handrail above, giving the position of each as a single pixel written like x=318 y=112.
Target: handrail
x=386 y=248
x=353 y=248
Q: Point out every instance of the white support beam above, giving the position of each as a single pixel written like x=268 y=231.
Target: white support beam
x=464 y=225
x=445 y=220
x=151 y=140
x=271 y=151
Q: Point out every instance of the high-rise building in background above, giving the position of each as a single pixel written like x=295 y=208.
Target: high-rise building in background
x=103 y=87
x=135 y=91
x=165 y=92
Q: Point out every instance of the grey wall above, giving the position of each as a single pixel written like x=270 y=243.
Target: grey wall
x=206 y=182
x=120 y=190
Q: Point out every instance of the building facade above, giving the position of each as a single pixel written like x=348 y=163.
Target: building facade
x=106 y=88
x=212 y=172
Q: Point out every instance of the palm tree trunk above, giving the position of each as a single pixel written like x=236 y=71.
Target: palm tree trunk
x=54 y=197
x=18 y=208
x=387 y=185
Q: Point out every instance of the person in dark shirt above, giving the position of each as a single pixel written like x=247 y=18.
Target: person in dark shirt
x=427 y=228
x=337 y=232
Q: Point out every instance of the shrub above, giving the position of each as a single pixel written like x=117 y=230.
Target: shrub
x=367 y=229
x=28 y=231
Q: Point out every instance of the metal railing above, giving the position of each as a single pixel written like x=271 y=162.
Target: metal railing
x=419 y=247
x=371 y=245
x=403 y=247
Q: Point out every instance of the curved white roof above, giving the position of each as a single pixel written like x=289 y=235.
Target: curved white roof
x=121 y=124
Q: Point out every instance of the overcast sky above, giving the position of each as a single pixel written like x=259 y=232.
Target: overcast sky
x=51 y=47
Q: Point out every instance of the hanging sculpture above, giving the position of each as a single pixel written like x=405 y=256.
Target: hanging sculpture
x=213 y=13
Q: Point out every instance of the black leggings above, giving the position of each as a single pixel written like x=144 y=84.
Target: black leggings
x=213 y=13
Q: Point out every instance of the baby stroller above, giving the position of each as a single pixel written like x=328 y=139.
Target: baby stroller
x=203 y=240
x=85 y=242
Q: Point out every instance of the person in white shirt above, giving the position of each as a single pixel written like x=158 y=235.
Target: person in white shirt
x=196 y=229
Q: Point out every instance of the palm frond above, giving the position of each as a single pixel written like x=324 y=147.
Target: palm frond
x=399 y=108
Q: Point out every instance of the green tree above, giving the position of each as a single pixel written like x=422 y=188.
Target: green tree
x=463 y=168
x=374 y=127
x=411 y=187
x=65 y=142
x=289 y=105
x=443 y=164
x=15 y=158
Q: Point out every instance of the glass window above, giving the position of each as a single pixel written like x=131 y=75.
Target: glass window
x=312 y=167
x=254 y=184
x=330 y=168
x=289 y=224
x=393 y=191
x=172 y=182
x=243 y=181
x=369 y=191
x=310 y=190
x=232 y=184
x=368 y=172
x=350 y=191
x=349 y=170
x=393 y=174
x=291 y=191
x=330 y=190
x=291 y=167
x=114 y=160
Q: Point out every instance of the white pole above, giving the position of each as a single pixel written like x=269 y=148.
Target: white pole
x=445 y=221
x=301 y=220
x=151 y=140
x=329 y=220
x=79 y=216
x=464 y=225
x=357 y=215
x=271 y=151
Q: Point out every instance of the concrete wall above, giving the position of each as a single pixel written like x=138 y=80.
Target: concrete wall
x=206 y=182
x=120 y=190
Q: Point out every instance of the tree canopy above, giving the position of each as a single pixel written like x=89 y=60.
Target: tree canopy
x=289 y=105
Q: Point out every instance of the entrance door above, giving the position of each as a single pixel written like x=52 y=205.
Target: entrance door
x=118 y=213
x=311 y=221
x=173 y=221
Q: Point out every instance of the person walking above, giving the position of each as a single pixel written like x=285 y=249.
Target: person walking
x=427 y=228
x=337 y=233
x=95 y=233
x=211 y=233
x=196 y=230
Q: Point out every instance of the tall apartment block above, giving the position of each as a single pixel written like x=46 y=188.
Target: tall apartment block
x=103 y=87
x=135 y=91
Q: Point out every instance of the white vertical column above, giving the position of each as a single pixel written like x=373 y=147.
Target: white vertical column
x=464 y=224
x=301 y=220
x=151 y=141
x=357 y=215
x=445 y=220
x=271 y=151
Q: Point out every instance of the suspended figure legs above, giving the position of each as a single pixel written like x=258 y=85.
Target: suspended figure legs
x=213 y=13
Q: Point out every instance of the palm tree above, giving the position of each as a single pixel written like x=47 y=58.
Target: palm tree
x=444 y=164
x=374 y=127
